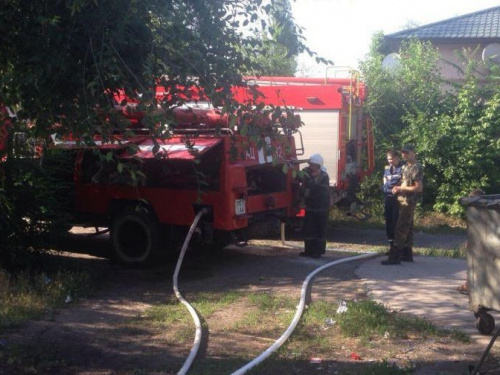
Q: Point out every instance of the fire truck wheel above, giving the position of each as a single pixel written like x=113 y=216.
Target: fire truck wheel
x=135 y=238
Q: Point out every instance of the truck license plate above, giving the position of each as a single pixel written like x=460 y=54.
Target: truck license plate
x=240 y=207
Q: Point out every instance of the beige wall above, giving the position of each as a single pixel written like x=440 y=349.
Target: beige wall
x=451 y=62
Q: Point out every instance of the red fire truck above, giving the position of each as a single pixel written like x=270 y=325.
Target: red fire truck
x=334 y=125
x=148 y=198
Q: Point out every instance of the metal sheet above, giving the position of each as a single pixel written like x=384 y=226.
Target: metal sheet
x=321 y=135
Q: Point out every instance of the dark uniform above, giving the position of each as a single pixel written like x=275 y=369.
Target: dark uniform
x=317 y=200
x=392 y=177
x=403 y=235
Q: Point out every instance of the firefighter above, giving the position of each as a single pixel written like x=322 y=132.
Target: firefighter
x=392 y=177
x=408 y=194
x=316 y=190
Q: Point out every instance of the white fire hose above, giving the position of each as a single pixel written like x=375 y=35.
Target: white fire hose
x=197 y=337
x=298 y=314
x=277 y=344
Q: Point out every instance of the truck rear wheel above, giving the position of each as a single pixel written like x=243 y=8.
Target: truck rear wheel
x=135 y=238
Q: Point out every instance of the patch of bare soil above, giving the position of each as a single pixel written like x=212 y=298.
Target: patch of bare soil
x=100 y=335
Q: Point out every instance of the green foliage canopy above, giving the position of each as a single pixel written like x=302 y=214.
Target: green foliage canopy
x=454 y=125
x=413 y=85
x=280 y=44
x=62 y=60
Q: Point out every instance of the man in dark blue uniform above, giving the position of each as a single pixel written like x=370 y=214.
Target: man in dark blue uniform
x=316 y=187
x=392 y=177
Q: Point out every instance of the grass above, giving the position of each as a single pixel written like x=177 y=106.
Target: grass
x=426 y=221
x=385 y=368
x=269 y=303
x=436 y=222
x=208 y=303
x=268 y=315
x=165 y=314
x=31 y=359
x=459 y=253
x=367 y=318
x=30 y=295
x=367 y=322
x=456 y=253
x=39 y=291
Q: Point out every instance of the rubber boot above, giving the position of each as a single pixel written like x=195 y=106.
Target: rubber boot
x=394 y=257
x=308 y=248
x=407 y=254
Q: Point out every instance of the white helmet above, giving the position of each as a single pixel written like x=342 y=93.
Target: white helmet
x=316 y=159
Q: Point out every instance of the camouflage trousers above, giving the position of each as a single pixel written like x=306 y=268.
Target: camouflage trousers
x=403 y=234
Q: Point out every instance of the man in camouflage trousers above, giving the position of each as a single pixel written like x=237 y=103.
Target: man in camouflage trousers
x=408 y=195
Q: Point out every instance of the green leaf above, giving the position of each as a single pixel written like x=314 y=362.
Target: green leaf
x=244 y=130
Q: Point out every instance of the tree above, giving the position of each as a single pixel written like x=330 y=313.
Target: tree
x=460 y=142
x=274 y=60
x=395 y=92
x=62 y=63
x=280 y=43
x=413 y=85
x=454 y=127
x=61 y=60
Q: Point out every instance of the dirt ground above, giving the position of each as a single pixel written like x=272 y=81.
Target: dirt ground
x=92 y=337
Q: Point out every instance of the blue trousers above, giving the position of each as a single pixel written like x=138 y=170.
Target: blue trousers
x=391 y=214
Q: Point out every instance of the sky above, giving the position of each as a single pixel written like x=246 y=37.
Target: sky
x=341 y=30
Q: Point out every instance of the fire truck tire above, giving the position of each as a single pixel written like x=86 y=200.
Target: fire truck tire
x=135 y=238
